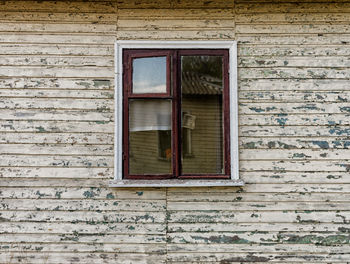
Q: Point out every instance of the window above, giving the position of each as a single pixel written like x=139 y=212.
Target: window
x=176 y=111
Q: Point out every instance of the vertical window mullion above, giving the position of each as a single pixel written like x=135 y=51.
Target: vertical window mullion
x=176 y=110
x=127 y=83
x=226 y=104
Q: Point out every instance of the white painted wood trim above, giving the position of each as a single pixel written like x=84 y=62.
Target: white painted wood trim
x=175 y=183
x=159 y=44
x=118 y=95
x=234 y=149
x=144 y=44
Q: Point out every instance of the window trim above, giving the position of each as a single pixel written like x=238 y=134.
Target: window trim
x=233 y=104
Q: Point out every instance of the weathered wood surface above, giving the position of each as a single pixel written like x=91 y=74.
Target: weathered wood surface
x=297 y=165
x=178 y=13
x=30 y=172
x=310 y=131
x=54 y=38
x=66 y=115
x=57 y=258
x=59 y=6
x=251 y=227
x=50 y=137
x=294 y=143
x=213 y=216
x=295 y=84
x=275 y=7
x=57 y=136
x=296 y=119
x=31 y=82
x=55 y=61
x=123 y=247
x=294 y=96
x=232 y=196
x=56 y=126
x=87 y=238
x=305 y=39
x=272 y=50
x=52 y=93
x=178 y=20
x=47 y=149
x=78 y=205
x=59 y=103
x=95 y=217
x=59 y=49
x=49 y=17
x=256 y=257
x=82 y=193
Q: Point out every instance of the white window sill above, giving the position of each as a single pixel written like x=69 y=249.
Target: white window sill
x=175 y=183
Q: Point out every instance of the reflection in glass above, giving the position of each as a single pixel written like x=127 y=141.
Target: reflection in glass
x=202 y=115
x=149 y=75
x=150 y=136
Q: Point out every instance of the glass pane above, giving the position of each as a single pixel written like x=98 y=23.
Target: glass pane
x=149 y=75
x=150 y=136
x=202 y=115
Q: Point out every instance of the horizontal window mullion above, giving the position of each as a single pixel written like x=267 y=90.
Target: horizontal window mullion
x=149 y=96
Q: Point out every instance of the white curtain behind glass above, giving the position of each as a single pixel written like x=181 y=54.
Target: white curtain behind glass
x=150 y=114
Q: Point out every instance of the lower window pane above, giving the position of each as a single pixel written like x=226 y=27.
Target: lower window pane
x=150 y=137
x=202 y=115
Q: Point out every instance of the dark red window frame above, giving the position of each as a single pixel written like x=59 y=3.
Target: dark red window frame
x=173 y=82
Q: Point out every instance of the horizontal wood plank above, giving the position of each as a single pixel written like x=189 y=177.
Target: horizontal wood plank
x=57 y=93
x=89 y=193
x=300 y=8
x=294 y=131
x=149 y=248
x=61 y=49
x=56 y=83
x=55 y=161
x=48 y=149
x=56 y=126
x=81 y=205
x=63 y=115
x=58 y=61
x=57 y=138
x=84 y=238
x=56 y=258
x=294 y=96
x=234 y=196
x=255 y=257
x=251 y=227
x=293 y=85
x=276 y=17
x=295 y=119
x=60 y=6
x=258 y=217
x=92 y=217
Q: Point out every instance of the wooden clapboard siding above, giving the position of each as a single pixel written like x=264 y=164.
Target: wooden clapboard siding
x=57 y=136
x=292 y=60
x=57 y=91
x=177 y=20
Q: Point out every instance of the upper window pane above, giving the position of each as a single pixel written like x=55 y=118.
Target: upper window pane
x=149 y=75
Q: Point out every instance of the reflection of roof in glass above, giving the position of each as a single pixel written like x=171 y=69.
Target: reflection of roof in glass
x=194 y=84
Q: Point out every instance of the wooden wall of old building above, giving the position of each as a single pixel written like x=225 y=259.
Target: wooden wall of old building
x=57 y=125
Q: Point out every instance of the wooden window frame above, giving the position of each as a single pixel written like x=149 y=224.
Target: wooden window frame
x=231 y=176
